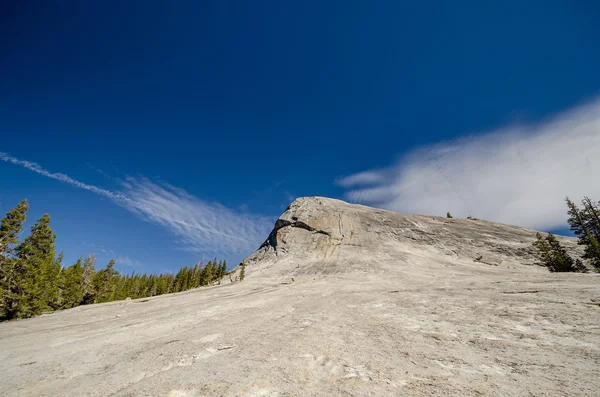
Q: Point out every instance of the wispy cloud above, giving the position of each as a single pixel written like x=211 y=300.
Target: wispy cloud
x=200 y=226
x=362 y=178
x=517 y=174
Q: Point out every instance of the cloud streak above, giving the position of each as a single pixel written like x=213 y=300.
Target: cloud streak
x=61 y=177
x=200 y=226
x=517 y=174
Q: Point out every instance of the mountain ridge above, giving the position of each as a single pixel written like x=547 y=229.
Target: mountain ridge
x=314 y=229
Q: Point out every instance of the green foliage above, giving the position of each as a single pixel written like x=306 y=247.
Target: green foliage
x=105 y=283
x=11 y=227
x=33 y=279
x=32 y=286
x=71 y=285
x=554 y=256
x=242 y=271
x=585 y=224
x=87 y=280
x=448 y=215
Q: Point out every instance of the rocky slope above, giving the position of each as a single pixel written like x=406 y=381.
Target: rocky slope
x=317 y=235
x=340 y=300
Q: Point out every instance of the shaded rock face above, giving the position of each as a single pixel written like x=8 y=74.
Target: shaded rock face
x=331 y=236
x=340 y=300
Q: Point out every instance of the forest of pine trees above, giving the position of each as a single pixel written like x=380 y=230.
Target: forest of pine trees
x=34 y=280
x=585 y=224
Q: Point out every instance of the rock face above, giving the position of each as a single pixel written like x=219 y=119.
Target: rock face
x=340 y=300
x=327 y=236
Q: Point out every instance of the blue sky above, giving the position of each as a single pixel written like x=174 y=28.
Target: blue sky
x=162 y=132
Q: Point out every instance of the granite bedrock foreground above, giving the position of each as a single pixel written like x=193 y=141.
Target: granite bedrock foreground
x=340 y=300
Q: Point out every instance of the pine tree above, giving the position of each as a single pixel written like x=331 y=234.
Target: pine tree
x=143 y=286
x=242 y=272
x=178 y=284
x=554 y=256
x=223 y=269
x=11 y=227
x=448 y=215
x=593 y=210
x=36 y=286
x=72 y=286
x=87 y=279
x=153 y=282
x=52 y=285
x=209 y=273
x=585 y=224
x=121 y=291
x=185 y=283
x=105 y=283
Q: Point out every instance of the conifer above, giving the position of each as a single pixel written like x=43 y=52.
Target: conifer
x=35 y=288
x=554 y=256
x=72 y=286
x=585 y=224
x=105 y=283
x=11 y=227
x=87 y=279
x=242 y=271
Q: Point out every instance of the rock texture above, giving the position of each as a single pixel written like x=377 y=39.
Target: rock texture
x=340 y=300
x=317 y=235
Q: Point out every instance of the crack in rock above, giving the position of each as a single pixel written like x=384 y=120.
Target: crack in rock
x=271 y=241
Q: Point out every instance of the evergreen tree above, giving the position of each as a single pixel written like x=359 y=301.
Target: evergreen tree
x=52 y=283
x=211 y=271
x=242 y=271
x=35 y=287
x=121 y=290
x=448 y=215
x=585 y=224
x=153 y=285
x=223 y=269
x=593 y=211
x=87 y=279
x=554 y=256
x=178 y=285
x=72 y=286
x=171 y=287
x=143 y=286
x=11 y=227
x=185 y=279
x=105 y=283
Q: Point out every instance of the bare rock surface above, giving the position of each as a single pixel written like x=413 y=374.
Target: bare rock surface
x=340 y=300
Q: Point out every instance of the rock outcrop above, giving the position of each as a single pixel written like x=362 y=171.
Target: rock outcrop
x=322 y=235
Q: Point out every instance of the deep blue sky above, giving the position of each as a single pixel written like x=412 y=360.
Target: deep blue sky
x=251 y=104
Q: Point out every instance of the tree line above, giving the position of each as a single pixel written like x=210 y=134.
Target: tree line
x=585 y=224
x=33 y=279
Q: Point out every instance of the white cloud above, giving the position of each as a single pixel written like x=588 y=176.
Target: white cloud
x=200 y=226
x=517 y=175
x=362 y=178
